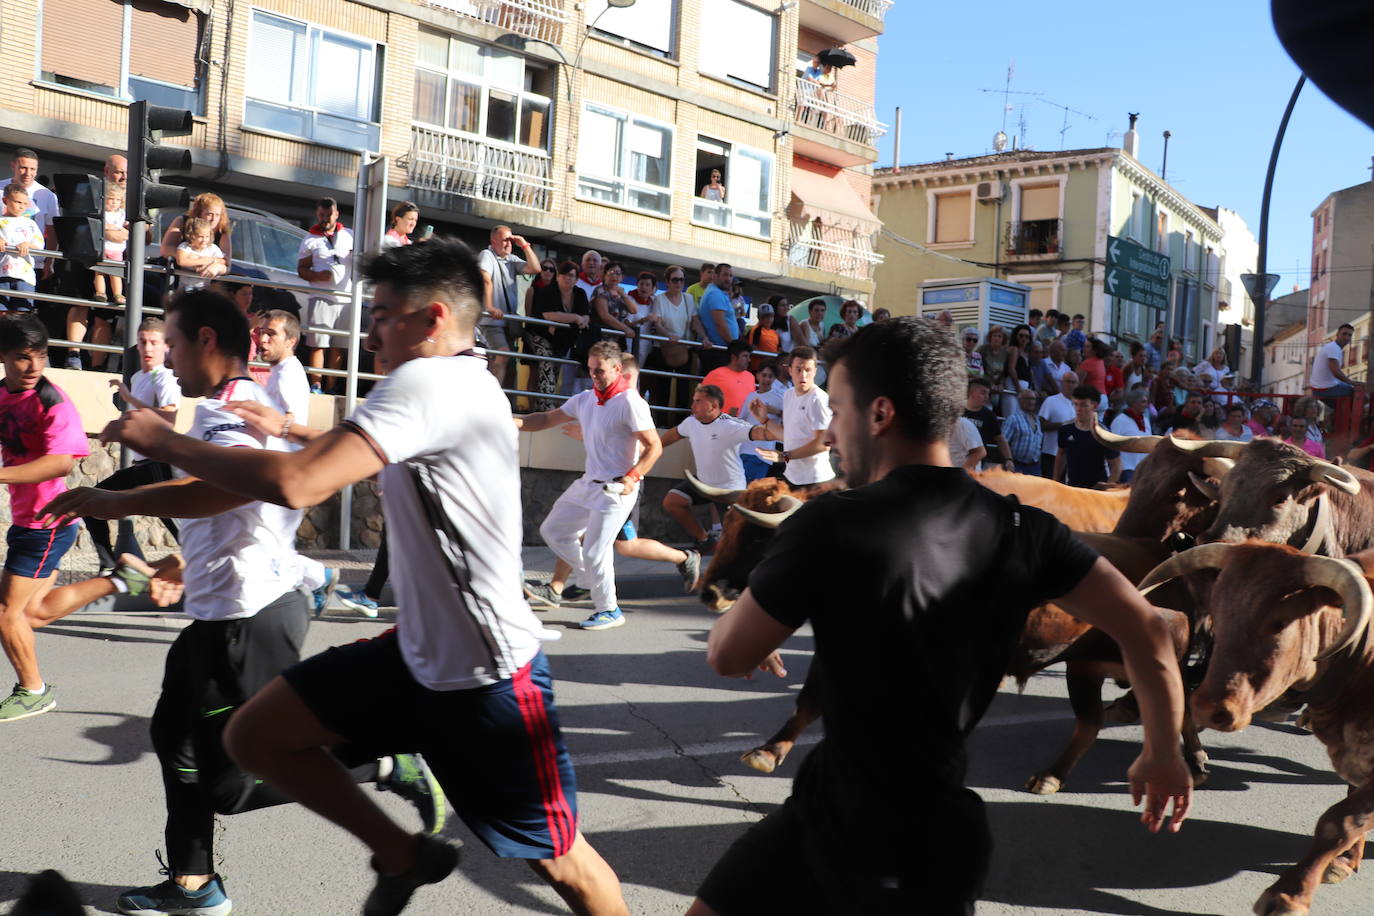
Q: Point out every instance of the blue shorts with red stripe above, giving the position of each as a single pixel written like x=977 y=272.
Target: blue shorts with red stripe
x=35 y=553
x=497 y=750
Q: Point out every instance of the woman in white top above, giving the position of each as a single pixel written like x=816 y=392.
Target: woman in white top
x=811 y=332
x=673 y=315
x=714 y=190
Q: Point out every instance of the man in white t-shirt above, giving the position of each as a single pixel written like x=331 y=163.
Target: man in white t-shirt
x=465 y=651
x=1328 y=381
x=770 y=391
x=966 y=449
x=589 y=278
x=622 y=445
x=716 y=438
x=501 y=292
x=43 y=207
x=325 y=261
x=805 y=419
x=1057 y=411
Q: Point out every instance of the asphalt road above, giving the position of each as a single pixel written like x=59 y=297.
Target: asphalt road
x=656 y=737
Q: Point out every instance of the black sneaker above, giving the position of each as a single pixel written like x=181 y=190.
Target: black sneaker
x=435 y=859
x=690 y=569
x=574 y=595
x=706 y=545
x=171 y=899
x=409 y=777
x=542 y=593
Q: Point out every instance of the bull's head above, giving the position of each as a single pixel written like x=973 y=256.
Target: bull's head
x=1274 y=493
x=1277 y=615
x=1172 y=491
x=746 y=529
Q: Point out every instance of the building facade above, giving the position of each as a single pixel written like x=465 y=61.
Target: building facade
x=1044 y=219
x=579 y=124
x=1342 y=246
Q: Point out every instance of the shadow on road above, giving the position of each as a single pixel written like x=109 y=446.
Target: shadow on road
x=101 y=897
x=125 y=740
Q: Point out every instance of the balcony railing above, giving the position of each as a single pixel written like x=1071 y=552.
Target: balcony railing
x=875 y=8
x=1036 y=238
x=827 y=109
x=467 y=167
x=540 y=19
x=719 y=215
x=833 y=249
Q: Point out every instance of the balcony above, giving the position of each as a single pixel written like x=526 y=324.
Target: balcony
x=539 y=19
x=832 y=249
x=845 y=20
x=469 y=167
x=835 y=113
x=1035 y=240
x=717 y=215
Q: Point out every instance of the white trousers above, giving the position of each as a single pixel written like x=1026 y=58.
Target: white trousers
x=581 y=529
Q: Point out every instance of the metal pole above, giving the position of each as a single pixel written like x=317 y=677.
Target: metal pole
x=360 y=218
x=1257 y=351
x=897 y=142
x=133 y=301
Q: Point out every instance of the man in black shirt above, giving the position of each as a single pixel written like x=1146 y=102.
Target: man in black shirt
x=977 y=412
x=911 y=643
x=1082 y=460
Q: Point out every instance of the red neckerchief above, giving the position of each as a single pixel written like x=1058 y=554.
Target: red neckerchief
x=316 y=230
x=1138 y=418
x=635 y=295
x=622 y=383
x=582 y=275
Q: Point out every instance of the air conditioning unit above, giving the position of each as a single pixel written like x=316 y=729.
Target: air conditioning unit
x=990 y=190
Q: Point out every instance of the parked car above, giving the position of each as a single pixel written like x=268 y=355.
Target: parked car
x=265 y=245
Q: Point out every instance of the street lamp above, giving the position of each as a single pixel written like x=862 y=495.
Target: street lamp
x=518 y=42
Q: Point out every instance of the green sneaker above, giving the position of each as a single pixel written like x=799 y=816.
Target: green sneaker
x=135 y=580
x=409 y=777
x=21 y=703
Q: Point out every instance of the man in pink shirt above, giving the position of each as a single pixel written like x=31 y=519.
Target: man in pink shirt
x=1262 y=418
x=1298 y=436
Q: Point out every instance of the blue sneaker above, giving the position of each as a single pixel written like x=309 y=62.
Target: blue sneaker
x=326 y=591
x=604 y=620
x=356 y=599
x=316 y=389
x=171 y=899
x=410 y=777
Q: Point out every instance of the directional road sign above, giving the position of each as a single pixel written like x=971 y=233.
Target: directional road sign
x=1137 y=273
x=1145 y=290
x=1137 y=258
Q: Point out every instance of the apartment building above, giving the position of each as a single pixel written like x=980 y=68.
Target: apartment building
x=1342 y=245
x=580 y=124
x=1044 y=219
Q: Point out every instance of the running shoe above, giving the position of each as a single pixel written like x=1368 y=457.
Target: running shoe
x=574 y=595
x=542 y=593
x=327 y=590
x=171 y=899
x=410 y=777
x=604 y=620
x=356 y=599
x=73 y=361
x=22 y=703
x=434 y=860
x=135 y=580
x=706 y=545
x=316 y=389
x=690 y=570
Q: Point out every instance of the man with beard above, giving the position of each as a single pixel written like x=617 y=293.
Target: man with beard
x=931 y=558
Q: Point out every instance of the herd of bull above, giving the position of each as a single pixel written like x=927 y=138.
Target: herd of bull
x=1260 y=555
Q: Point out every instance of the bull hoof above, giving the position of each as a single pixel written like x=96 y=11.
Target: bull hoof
x=1272 y=903
x=1123 y=711
x=1043 y=784
x=1337 y=871
x=761 y=759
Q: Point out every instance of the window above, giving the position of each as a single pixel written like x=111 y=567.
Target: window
x=481 y=90
x=951 y=218
x=1037 y=229
x=748 y=178
x=624 y=159
x=149 y=50
x=1162 y=232
x=648 y=26
x=308 y=82
x=742 y=43
x=1136 y=229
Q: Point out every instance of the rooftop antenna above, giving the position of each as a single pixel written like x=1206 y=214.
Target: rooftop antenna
x=1067 y=111
x=1007 y=92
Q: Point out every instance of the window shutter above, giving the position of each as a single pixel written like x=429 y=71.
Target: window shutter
x=68 y=50
x=164 y=40
x=649 y=23
x=278 y=60
x=951 y=217
x=1039 y=202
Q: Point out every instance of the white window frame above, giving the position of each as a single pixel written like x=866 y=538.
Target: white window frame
x=1136 y=219
x=625 y=184
x=773 y=51
x=931 y=195
x=1017 y=184
x=482 y=82
x=1054 y=279
x=371 y=126
x=704 y=210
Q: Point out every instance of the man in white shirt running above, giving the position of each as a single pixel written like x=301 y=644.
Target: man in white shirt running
x=465 y=652
x=805 y=418
x=622 y=445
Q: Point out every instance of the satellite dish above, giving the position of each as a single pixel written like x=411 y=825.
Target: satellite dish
x=999 y=141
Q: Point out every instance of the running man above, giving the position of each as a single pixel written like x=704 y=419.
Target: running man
x=622 y=445
x=805 y=418
x=249 y=616
x=931 y=559
x=465 y=651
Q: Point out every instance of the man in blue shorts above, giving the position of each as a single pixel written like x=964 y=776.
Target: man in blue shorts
x=462 y=678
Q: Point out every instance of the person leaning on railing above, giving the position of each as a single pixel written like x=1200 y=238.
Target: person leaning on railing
x=674 y=316
x=564 y=301
x=208 y=207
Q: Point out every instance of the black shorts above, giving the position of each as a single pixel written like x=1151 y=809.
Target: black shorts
x=775 y=867
x=497 y=750
x=690 y=493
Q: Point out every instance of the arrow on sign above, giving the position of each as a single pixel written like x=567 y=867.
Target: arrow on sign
x=1115 y=250
x=1111 y=282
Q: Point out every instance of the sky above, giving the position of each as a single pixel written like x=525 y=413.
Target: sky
x=1211 y=73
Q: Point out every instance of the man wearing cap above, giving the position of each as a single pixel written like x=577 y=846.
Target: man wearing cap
x=973 y=360
x=1262 y=418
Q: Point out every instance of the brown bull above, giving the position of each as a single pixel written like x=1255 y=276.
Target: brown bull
x=1286 y=620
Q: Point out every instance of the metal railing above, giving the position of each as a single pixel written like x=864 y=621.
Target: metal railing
x=875 y=8
x=826 y=108
x=832 y=249
x=539 y=19
x=720 y=215
x=1035 y=238
x=467 y=167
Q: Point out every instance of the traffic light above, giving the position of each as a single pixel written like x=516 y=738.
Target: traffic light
x=81 y=228
x=147 y=125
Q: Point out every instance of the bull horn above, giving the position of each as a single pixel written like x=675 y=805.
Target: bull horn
x=1209 y=448
x=1338 y=477
x=1207 y=556
x=1135 y=444
x=1217 y=467
x=1205 y=486
x=1347 y=580
x=715 y=494
x=785 y=506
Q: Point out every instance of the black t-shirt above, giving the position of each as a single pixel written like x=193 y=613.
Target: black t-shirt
x=1085 y=458
x=917 y=588
x=989 y=428
x=549 y=299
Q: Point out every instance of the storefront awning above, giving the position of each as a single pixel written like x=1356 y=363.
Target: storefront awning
x=831 y=200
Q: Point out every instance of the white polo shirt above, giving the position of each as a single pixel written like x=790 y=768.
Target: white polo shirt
x=288 y=386
x=802 y=416
x=239 y=561
x=608 y=431
x=716 y=448
x=451 y=495
x=156 y=387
